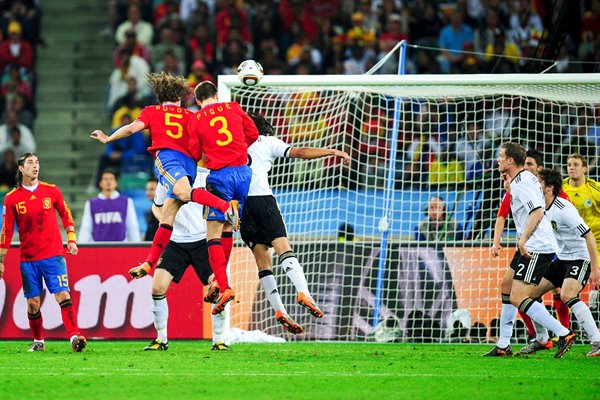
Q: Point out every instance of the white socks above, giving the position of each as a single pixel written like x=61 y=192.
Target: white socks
x=160 y=312
x=539 y=314
x=585 y=319
x=294 y=271
x=508 y=316
x=219 y=326
x=269 y=285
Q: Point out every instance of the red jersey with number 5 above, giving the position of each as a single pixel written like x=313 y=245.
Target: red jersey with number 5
x=168 y=129
x=35 y=214
x=225 y=132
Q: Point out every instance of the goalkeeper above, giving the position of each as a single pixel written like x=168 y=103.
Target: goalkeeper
x=263 y=226
x=186 y=247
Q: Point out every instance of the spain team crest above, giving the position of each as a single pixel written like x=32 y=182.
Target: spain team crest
x=47 y=202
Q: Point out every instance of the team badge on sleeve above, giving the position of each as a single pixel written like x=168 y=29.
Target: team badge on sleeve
x=47 y=202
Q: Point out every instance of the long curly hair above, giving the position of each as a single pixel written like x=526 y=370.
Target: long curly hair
x=167 y=87
x=264 y=127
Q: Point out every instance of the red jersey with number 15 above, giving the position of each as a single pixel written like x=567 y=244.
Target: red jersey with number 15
x=35 y=214
x=225 y=132
x=168 y=129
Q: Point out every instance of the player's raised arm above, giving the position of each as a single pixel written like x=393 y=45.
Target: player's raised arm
x=310 y=153
x=122 y=132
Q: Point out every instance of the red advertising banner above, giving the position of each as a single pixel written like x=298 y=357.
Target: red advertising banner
x=109 y=303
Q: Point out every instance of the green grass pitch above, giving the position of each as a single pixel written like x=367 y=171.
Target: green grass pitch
x=322 y=370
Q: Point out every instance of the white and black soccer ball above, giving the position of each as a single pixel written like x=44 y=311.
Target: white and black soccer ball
x=250 y=72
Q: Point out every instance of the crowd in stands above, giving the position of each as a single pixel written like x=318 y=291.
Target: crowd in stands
x=19 y=38
x=202 y=39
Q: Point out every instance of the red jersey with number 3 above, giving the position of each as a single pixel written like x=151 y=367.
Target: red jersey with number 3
x=35 y=214
x=168 y=129
x=504 y=209
x=225 y=132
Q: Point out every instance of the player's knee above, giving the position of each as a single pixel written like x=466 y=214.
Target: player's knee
x=505 y=286
x=159 y=289
x=33 y=305
x=569 y=296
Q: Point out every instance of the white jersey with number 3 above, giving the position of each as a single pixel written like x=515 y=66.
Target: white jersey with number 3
x=261 y=156
x=526 y=196
x=569 y=229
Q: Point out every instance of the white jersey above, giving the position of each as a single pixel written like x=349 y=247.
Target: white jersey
x=569 y=229
x=261 y=156
x=189 y=225
x=526 y=196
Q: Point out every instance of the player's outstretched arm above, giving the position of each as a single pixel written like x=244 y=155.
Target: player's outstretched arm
x=122 y=132
x=310 y=153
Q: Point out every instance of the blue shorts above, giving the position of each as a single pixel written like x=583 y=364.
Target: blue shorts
x=172 y=165
x=229 y=183
x=54 y=272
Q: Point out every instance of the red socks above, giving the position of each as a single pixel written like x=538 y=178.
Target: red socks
x=35 y=324
x=159 y=243
x=528 y=323
x=203 y=197
x=68 y=317
x=562 y=311
x=227 y=242
x=218 y=263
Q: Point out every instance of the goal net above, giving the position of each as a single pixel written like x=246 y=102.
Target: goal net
x=381 y=260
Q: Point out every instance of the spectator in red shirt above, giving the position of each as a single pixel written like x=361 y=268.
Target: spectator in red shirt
x=231 y=17
x=15 y=50
x=33 y=205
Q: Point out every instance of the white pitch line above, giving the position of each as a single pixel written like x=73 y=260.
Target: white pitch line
x=128 y=372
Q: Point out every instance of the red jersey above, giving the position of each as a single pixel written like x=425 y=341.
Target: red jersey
x=35 y=215
x=504 y=209
x=225 y=132
x=168 y=129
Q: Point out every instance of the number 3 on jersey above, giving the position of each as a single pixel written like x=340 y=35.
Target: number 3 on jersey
x=223 y=130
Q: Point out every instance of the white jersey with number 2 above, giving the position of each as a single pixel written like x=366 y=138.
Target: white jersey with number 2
x=526 y=196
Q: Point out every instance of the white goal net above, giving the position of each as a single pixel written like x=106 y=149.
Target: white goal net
x=415 y=142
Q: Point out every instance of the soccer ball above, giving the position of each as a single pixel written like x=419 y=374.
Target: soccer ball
x=250 y=72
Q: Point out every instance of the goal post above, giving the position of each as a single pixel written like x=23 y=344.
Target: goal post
x=439 y=282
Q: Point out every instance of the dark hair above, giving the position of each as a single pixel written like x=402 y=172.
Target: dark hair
x=20 y=163
x=264 y=127
x=516 y=152
x=205 y=90
x=553 y=178
x=537 y=156
x=152 y=179
x=167 y=87
x=111 y=171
